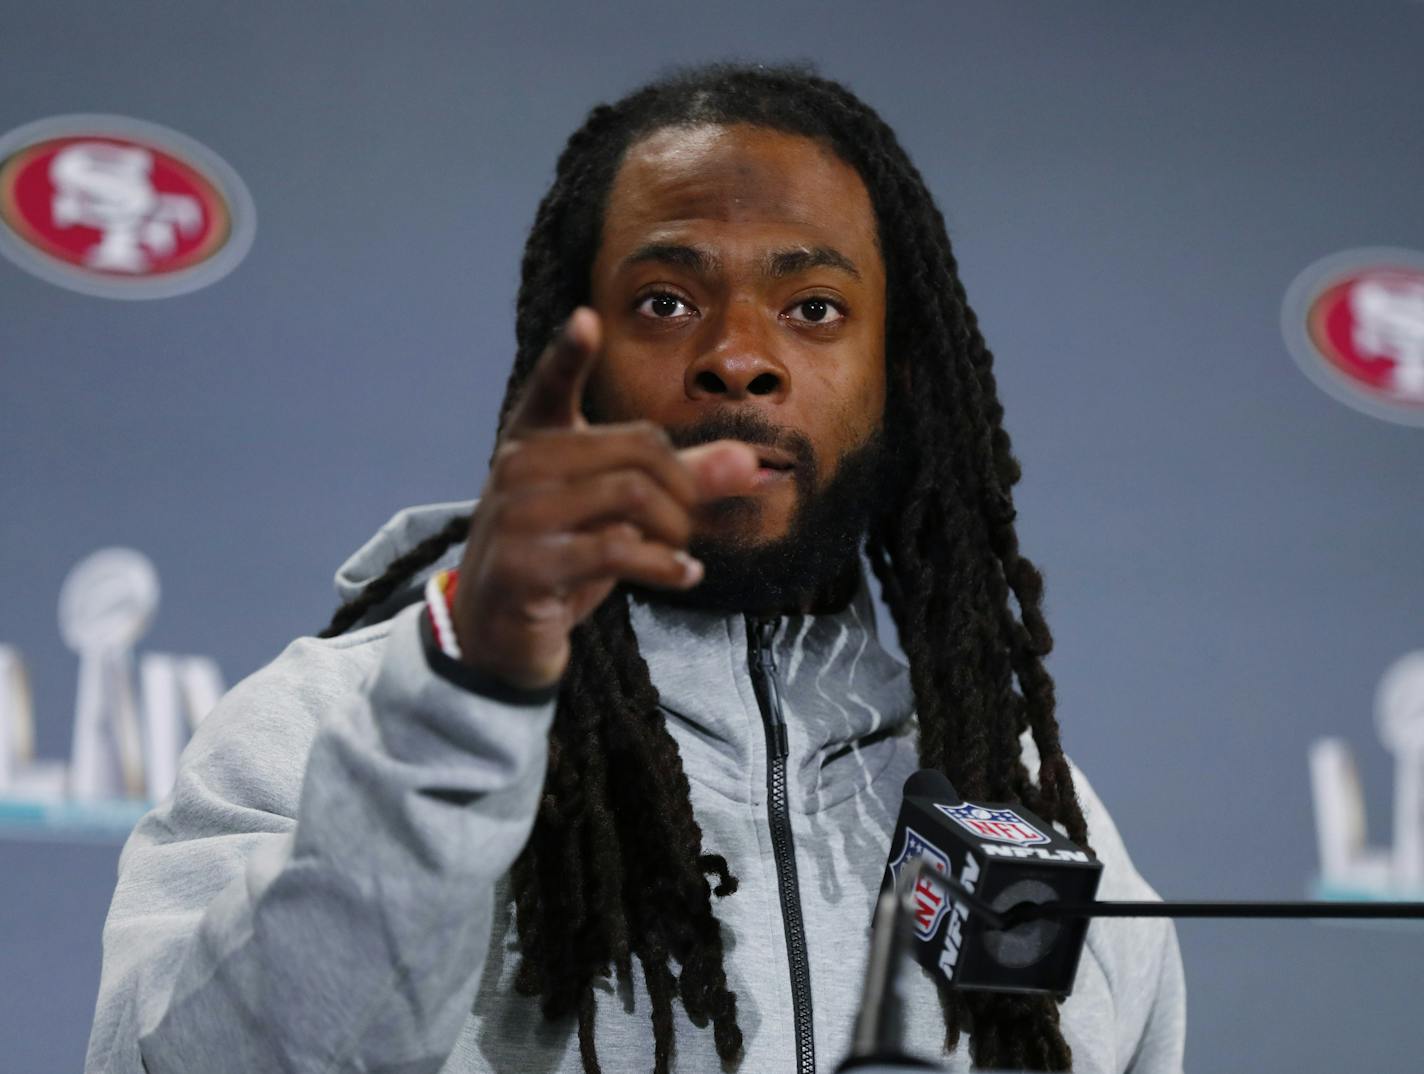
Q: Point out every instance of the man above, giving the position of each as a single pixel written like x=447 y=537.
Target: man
x=475 y=833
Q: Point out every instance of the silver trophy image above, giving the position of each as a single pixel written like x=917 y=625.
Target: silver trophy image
x=1349 y=866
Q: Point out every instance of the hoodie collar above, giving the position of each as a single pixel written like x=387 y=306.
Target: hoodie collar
x=404 y=531
x=842 y=696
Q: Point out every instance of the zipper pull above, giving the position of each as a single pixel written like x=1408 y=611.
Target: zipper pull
x=783 y=745
x=765 y=630
x=763 y=656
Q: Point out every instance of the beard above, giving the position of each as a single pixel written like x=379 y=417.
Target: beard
x=815 y=565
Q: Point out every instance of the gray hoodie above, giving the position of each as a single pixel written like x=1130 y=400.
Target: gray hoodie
x=325 y=888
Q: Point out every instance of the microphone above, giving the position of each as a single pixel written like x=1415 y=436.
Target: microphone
x=934 y=882
x=982 y=861
x=1002 y=900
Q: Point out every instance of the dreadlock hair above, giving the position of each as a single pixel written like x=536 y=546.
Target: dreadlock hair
x=615 y=868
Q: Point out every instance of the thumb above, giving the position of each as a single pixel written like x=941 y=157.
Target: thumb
x=721 y=468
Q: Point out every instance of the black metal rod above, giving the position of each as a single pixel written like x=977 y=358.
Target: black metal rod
x=1055 y=911
x=1322 y=910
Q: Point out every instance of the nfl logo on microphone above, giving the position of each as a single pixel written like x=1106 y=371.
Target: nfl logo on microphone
x=931 y=903
x=1000 y=825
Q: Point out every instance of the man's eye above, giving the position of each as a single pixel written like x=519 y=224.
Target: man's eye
x=663 y=305
x=817 y=311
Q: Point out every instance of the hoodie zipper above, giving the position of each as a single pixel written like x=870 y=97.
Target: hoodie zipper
x=761 y=659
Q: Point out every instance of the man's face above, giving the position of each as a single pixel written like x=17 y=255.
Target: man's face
x=742 y=292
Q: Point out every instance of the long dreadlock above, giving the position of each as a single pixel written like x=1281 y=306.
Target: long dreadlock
x=615 y=869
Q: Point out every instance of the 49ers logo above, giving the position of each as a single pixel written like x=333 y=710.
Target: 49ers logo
x=1355 y=323
x=118 y=208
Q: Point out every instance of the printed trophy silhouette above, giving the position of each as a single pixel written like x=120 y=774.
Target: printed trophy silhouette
x=17 y=729
x=1347 y=862
x=130 y=722
x=105 y=606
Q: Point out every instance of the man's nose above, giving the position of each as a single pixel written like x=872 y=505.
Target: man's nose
x=739 y=361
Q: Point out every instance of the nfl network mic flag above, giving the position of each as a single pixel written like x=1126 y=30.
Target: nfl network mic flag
x=1006 y=856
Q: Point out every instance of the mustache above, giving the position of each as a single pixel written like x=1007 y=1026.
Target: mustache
x=749 y=427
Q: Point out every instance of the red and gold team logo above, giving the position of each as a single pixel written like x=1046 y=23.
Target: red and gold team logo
x=1355 y=323
x=119 y=208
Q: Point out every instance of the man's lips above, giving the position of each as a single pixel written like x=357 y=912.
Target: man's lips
x=774 y=466
x=771 y=458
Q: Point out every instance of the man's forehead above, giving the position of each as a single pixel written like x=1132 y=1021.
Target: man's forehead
x=677 y=179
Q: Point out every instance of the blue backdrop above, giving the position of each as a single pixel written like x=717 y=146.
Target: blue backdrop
x=1233 y=557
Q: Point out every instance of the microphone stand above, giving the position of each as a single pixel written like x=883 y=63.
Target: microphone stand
x=878 y=1044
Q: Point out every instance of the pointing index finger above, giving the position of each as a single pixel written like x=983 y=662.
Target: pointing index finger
x=551 y=398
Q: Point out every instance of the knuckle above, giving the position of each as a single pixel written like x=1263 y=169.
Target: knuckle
x=504 y=562
x=509 y=460
x=612 y=547
x=542 y=572
x=617 y=544
x=652 y=435
x=633 y=489
x=519 y=512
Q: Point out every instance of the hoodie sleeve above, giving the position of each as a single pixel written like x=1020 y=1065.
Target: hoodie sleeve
x=317 y=893
x=1160 y=1048
x=1139 y=956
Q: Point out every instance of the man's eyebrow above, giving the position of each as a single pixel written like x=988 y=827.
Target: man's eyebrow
x=790 y=262
x=675 y=254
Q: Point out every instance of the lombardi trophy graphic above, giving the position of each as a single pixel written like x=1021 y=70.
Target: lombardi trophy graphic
x=105 y=606
x=132 y=715
x=1348 y=864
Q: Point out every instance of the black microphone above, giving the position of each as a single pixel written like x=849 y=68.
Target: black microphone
x=1003 y=900
x=983 y=860
x=932 y=891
